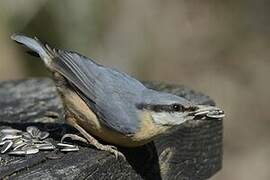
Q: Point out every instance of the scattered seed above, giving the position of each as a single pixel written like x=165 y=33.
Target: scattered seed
x=10 y=131
x=7 y=145
x=17 y=152
x=2 y=143
x=67 y=147
x=45 y=146
x=17 y=142
x=26 y=136
x=33 y=131
x=70 y=149
x=63 y=145
x=31 y=150
x=10 y=137
x=20 y=146
x=28 y=146
x=32 y=141
x=43 y=135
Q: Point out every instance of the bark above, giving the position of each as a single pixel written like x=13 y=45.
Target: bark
x=194 y=151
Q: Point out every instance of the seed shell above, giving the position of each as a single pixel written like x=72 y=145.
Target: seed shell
x=7 y=145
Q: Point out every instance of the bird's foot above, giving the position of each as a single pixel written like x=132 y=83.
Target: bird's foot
x=111 y=149
x=89 y=139
x=94 y=142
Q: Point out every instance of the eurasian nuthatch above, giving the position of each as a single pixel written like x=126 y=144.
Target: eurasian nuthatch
x=111 y=105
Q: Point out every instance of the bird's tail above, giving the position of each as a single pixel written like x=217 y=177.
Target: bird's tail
x=43 y=50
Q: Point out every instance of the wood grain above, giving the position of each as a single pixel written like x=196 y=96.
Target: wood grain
x=194 y=151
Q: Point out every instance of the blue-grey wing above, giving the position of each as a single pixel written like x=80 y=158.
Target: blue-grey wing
x=111 y=94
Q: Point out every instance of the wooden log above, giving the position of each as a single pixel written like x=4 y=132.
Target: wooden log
x=194 y=151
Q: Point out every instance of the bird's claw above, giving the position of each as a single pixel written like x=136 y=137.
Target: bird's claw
x=113 y=150
x=108 y=148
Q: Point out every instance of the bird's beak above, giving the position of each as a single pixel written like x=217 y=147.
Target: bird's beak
x=204 y=111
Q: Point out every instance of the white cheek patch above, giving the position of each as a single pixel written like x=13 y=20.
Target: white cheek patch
x=160 y=118
x=166 y=118
x=163 y=118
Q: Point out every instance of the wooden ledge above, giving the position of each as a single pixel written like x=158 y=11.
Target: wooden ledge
x=194 y=151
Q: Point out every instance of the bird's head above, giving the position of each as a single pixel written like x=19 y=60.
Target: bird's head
x=170 y=110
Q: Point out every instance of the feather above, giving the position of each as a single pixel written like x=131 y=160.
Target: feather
x=111 y=94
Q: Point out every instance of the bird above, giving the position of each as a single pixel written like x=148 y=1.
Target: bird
x=104 y=103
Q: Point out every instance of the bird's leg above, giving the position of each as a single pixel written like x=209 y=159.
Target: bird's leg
x=62 y=87
x=90 y=139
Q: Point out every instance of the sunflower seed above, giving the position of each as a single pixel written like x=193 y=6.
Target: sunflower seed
x=10 y=131
x=216 y=114
x=17 y=152
x=10 y=137
x=28 y=146
x=64 y=145
x=20 y=146
x=43 y=135
x=34 y=131
x=26 y=136
x=2 y=143
x=29 y=142
x=45 y=146
x=31 y=150
x=202 y=113
x=70 y=149
x=17 y=142
x=36 y=141
x=67 y=147
x=7 y=145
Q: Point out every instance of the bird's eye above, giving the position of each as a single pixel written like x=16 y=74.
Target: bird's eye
x=177 y=107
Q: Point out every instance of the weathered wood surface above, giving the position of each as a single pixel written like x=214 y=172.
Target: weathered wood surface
x=192 y=152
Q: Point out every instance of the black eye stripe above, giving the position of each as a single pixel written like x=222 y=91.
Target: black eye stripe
x=177 y=107
x=161 y=107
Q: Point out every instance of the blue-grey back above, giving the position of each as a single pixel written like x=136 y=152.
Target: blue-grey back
x=112 y=94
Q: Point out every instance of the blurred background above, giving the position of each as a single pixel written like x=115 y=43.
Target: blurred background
x=220 y=48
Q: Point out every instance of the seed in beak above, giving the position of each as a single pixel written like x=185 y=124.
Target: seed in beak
x=208 y=112
x=216 y=114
